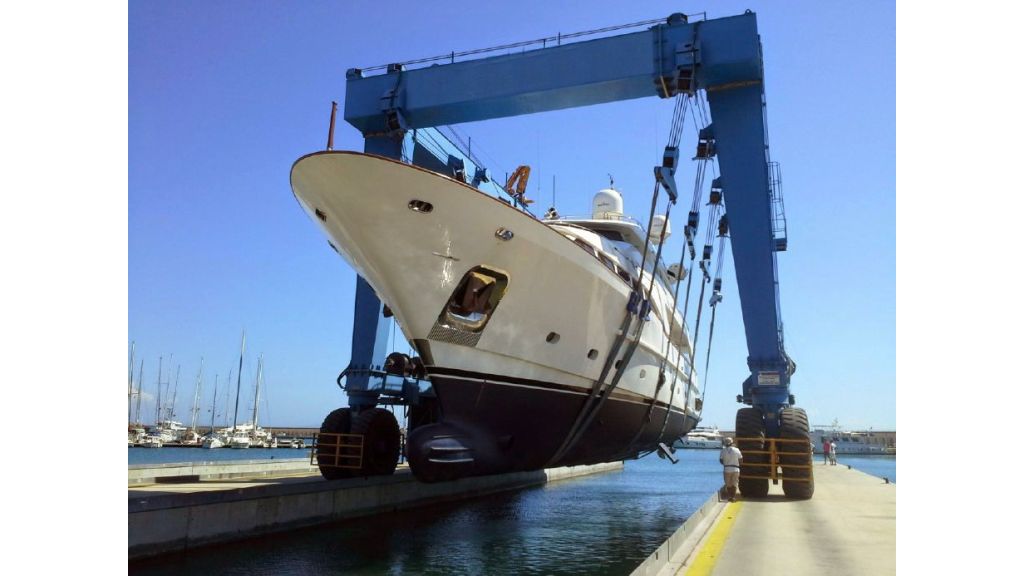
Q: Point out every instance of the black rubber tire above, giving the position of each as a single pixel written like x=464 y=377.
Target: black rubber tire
x=382 y=441
x=750 y=424
x=337 y=422
x=793 y=425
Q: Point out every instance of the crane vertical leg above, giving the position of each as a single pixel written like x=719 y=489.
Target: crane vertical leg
x=742 y=149
x=370 y=330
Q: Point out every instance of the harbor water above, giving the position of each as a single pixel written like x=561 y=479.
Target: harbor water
x=602 y=524
x=174 y=455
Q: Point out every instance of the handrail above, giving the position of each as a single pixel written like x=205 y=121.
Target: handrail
x=542 y=41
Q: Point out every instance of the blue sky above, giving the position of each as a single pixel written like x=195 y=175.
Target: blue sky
x=223 y=97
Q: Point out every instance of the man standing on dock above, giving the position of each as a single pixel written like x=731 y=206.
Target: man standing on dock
x=730 y=459
x=826 y=449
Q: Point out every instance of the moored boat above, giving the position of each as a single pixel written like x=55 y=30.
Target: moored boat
x=148 y=441
x=701 y=438
x=284 y=442
x=213 y=440
x=861 y=442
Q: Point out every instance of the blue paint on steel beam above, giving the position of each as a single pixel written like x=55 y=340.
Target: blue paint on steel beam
x=581 y=74
x=742 y=155
x=370 y=332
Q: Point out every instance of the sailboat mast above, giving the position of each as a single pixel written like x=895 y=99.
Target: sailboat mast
x=138 y=397
x=227 y=396
x=174 y=397
x=256 y=403
x=195 y=399
x=159 y=377
x=239 y=387
x=213 y=410
x=131 y=381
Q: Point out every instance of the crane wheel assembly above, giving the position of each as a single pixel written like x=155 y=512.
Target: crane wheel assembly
x=350 y=444
x=796 y=467
x=329 y=457
x=750 y=426
x=382 y=441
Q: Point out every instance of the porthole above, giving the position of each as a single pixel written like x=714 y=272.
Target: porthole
x=592 y=354
x=320 y=214
x=553 y=337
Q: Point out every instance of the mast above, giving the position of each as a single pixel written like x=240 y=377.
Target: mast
x=227 y=396
x=239 y=387
x=174 y=397
x=131 y=381
x=159 y=377
x=195 y=399
x=138 y=397
x=213 y=410
x=256 y=403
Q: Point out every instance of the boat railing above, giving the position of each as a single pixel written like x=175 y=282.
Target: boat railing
x=590 y=218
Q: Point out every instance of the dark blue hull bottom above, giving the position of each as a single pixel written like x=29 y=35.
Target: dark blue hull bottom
x=493 y=426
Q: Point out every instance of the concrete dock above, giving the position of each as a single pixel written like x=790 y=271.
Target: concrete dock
x=177 y=507
x=848 y=528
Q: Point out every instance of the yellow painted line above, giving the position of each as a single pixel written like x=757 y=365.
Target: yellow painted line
x=705 y=561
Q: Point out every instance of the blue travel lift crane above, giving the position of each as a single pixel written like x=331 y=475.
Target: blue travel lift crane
x=398 y=112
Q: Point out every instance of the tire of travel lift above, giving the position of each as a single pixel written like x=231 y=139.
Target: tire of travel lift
x=794 y=425
x=381 y=441
x=337 y=422
x=750 y=424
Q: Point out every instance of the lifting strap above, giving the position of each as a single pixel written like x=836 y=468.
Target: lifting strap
x=639 y=305
x=716 y=297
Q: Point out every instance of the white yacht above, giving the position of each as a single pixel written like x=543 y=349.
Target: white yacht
x=148 y=441
x=284 y=442
x=701 y=438
x=864 y=442
x=214 y=439
x=513 y=317
x=241 y=436
x=239 y=440
x=168 y=431
x=135 y=434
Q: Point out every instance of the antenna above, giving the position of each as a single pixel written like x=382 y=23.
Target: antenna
x=611 y=182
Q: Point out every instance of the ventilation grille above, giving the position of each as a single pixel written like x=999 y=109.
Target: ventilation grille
x=442 y=333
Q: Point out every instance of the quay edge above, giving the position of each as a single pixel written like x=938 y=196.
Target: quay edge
x=161 y=522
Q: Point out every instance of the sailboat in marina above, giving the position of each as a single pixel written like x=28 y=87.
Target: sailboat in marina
x=250 y=434
x=191 y=436
x=244 y=435
x=213 y=439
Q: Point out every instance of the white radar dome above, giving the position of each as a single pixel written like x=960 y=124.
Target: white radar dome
x=657 y=225
x=607 y=205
